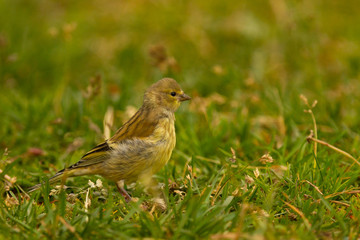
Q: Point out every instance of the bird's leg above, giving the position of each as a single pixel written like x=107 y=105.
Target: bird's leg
x=152 y=188
x=120 y=187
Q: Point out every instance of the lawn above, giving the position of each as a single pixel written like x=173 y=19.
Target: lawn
x=268 y=147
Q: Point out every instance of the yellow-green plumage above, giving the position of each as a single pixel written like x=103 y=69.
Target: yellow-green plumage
x=141 y=147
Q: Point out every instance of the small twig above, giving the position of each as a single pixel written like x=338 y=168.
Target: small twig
x=316 y=188
x=300 y=213
x=208 y=159
x=186 y=167
x=340 y=203
x=69 y=227
x=305 y=100
x=315 y=135
x=310 y=138
x=203 y=191
x=26 y=195
x=218 y=188
x=343 y=192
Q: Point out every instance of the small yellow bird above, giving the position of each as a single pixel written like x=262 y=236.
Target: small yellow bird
x=140 y=148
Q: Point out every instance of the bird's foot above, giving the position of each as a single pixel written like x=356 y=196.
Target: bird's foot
x=123 y=192
x=159 y=204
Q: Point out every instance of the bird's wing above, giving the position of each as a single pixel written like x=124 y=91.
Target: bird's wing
x=96 y=155
x=141 y=125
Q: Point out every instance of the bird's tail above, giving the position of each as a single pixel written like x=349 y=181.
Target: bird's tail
x=57 y=177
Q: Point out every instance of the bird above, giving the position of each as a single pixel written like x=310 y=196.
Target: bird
x=138 y=149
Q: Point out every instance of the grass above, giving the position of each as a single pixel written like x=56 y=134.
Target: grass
x=244 y=166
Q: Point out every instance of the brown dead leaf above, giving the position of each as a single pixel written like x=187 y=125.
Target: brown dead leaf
x=76 y=144
x=114 y=91
x=233 y=157
x=158 y=54
x=94 y=127
x=235 y=192
x=34 y=152
x=161 y=59
x=129 y=112
x=201 y=104
x=11 y=180
x=249 y=180
x=108 y=122
x=8 y=182
x=93 y=89
x=11 y=201
x=256 y=172
x=266 y=158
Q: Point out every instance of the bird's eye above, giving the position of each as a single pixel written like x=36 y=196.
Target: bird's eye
x=173 y=94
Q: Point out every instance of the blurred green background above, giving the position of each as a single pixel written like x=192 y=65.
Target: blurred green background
x=287 y=44
x=259 y=55
x=245 y=63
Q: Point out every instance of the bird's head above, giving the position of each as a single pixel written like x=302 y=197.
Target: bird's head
x=165 y=93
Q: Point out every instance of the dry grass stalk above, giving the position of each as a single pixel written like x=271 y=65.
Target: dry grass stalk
x=310 y=138
x=301 y=214
x=69 y=227
x=316 y=188
x=309 y=110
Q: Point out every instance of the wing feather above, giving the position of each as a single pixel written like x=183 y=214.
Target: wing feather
x=98 y=154
x=141 y=125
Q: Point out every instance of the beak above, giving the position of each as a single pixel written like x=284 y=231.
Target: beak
x=184 y=97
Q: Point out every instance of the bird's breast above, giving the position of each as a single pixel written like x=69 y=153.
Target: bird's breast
x=139 y=157
x=164 y=138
